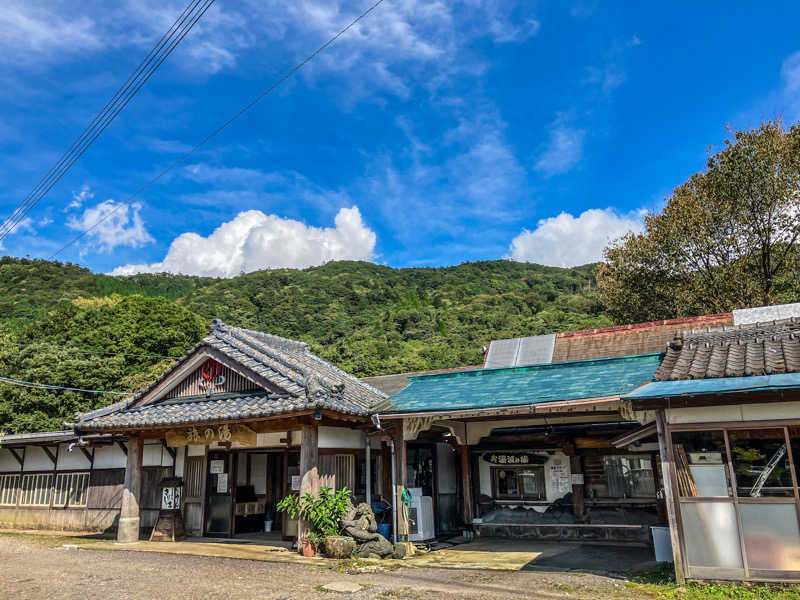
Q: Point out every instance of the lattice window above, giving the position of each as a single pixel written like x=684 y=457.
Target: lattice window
x=36 y=489
x=71 y=489
x=8 y=489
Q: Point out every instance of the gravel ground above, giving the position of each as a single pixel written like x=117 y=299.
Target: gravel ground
x=40 y=567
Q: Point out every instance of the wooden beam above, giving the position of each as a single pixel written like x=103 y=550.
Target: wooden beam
x=123 y=447
x=466 y=484
x=86 y=453
x=50 y=455
x=170 y=451
x=309 y=457
x=670 y=494
x=578 y=507
x=588 y=442
x=18 y=457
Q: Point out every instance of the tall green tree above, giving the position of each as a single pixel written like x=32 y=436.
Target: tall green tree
x=727 y=238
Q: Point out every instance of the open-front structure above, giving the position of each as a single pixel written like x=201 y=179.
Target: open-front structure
x=249 y=417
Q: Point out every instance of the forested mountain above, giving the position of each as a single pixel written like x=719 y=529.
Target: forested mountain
x=62 y=324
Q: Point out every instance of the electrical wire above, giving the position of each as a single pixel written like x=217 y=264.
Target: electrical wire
x=214 y=133
x=33 y=384
x=157 y=55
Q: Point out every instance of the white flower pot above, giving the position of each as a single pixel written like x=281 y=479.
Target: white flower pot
x=267 y=526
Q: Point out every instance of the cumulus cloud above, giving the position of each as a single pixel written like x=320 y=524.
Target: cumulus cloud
x=254 y=240
x=79 y=197
x=109 y=225
x=563 y=150
x=568 y=241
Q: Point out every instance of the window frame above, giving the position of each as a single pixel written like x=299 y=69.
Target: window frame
x=495 y=469
x=643 y=457
x=16 y=492
x=70 y=475
x=22 y=491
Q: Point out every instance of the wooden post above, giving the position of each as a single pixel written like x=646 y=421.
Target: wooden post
x=578 y=497
x=466 y=484
x=309 y=484
x=128 y=528
x=668 y=477
x=401 y=472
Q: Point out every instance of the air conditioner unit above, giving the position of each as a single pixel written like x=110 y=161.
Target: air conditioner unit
x=420 y=519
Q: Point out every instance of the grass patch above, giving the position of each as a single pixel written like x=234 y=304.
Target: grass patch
x=52 y=541
x=660 y=583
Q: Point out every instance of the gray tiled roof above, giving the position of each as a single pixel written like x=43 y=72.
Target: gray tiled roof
x=300 y=381
x=758 y=349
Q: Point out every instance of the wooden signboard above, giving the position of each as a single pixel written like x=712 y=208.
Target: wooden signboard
x=203 y=435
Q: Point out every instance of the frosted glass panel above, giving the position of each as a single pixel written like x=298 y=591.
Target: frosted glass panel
x=771 y=536
x=258 y=472
x=712 y=537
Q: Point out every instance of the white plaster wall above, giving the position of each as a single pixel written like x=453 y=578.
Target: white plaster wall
x=241 y=469
x=340 y=437
x=151 y=454
x=8 y=462
x=179 y=461
x=109 y=457
x=269 y=440
x=551 y=491
x=736 y=412
x=72 y=460
x=37 y=460
x=258 y=472
x=197 y=450
x=446 y=469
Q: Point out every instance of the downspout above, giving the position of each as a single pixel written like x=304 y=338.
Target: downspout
x=394 y=494
x=368 y=461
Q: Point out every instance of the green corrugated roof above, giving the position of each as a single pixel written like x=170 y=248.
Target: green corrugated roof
x=492 y=388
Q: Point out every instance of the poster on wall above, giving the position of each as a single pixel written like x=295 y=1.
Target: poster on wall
x=296 y=479
x=222 y=483
x=558 y=475
x=216 y=467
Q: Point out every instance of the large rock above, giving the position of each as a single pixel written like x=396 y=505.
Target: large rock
x=338 y=546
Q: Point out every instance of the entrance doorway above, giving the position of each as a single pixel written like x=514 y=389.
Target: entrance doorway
x=219 y=499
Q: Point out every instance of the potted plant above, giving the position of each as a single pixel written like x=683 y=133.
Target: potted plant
x=269 y=516
x=322 y=512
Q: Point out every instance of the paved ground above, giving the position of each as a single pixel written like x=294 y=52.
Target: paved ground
x=35 y=566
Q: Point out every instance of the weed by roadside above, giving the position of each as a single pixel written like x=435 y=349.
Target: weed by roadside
x=660 y=583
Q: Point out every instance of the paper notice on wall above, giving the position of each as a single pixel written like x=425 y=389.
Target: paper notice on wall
x=216 y=467
x=222 y=483
x=559 y=478
x=296 y=480
x=577 y=479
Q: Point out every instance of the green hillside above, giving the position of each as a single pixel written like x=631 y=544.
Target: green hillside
x=62 y=324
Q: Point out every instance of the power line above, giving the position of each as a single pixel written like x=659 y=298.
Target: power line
x=157 y=55
x=33 y=384
x=214 y=133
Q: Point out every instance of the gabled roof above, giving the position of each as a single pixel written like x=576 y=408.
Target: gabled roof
x=289 y=376
x=747 y=350
x=508 y=387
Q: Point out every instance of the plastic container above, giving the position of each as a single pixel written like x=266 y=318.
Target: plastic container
x=662 y=543
x=385 y=529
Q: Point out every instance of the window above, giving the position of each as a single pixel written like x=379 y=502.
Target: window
x=519 y=483
x=36 y=489
x=630 y=477
x=8 y=489
x=701 y=463
x=71 y=489
x=342 y=467
x=761 y=463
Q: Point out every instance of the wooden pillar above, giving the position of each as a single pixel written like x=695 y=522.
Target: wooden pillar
x=309 y=453
x=128 y=527
x=578 y=496
x=466 y=484
x=401 y=474
x=670 y=493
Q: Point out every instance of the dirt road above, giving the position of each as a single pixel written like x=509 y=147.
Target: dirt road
x=40 y=567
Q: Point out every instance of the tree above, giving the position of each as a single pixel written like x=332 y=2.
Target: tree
x=727 y=238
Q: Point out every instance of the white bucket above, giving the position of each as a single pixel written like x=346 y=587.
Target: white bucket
x=267 y=526
x=662 y=543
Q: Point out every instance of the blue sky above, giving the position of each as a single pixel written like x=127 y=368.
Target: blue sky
x=434 y=133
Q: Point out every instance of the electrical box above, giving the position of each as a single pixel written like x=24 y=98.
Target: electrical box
x=420 y=519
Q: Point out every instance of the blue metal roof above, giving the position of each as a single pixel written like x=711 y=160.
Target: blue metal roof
x=719 y=385
x=493 y=388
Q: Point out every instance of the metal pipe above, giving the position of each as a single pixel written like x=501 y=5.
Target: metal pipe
x=394 y=494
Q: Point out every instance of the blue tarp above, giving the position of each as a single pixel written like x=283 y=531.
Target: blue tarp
x=721 y=385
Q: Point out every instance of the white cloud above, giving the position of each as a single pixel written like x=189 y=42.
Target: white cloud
x=567 y=241
x=564 y=148
x=608 y=77
x=79 y=197
x=254 y=240
x=123 y=226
